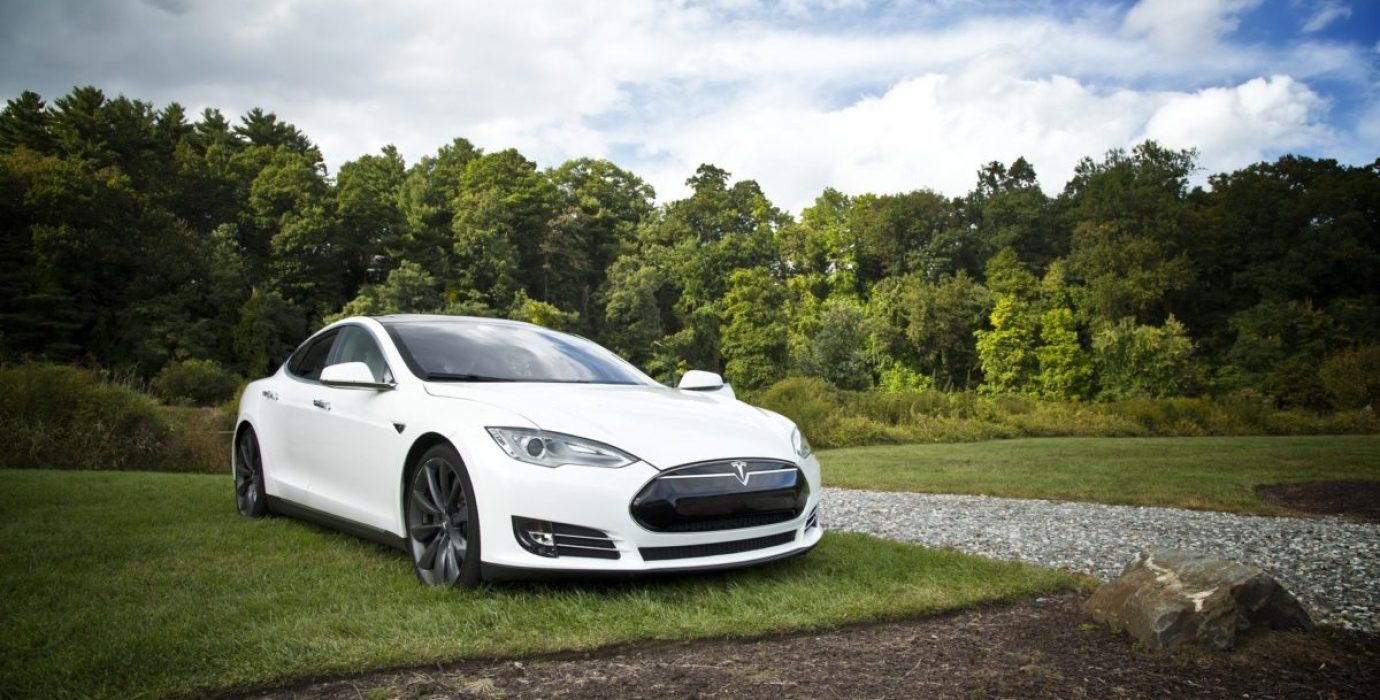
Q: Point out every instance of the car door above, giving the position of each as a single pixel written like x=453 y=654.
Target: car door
x=294 y=418
x=357 y=463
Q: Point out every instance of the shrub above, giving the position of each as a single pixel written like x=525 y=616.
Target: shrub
x=60 y=417
x=1134 y=360
x=1352 y=377
x=196 y=382
x=834 y=418
x=66 y=418
x=811 y=402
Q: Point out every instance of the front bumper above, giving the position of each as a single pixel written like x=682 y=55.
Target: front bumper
x=600 y=499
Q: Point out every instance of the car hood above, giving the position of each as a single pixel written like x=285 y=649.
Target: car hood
x=663 y=427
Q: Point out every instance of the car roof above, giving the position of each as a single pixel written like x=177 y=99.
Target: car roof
x=393 y=319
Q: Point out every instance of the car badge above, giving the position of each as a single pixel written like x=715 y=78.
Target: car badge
x=740 y=468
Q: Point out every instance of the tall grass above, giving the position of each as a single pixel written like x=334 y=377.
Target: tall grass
x=61 y=417
x=832 y=417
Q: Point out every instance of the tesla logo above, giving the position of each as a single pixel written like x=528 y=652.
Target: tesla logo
x=740 y=468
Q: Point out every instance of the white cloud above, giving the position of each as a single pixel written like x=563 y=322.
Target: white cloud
x=1179 y=26
x=1236 y=126
x=936 y=130
x=1328 y=12
x=921 y=97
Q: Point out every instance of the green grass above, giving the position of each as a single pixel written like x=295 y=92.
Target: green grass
x=145 y=585
x=1211 y=473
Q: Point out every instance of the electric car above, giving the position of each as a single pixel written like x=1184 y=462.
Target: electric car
x=490 y=449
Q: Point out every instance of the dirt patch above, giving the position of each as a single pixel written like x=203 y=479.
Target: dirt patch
x=1039 y=648
x=1353 y=498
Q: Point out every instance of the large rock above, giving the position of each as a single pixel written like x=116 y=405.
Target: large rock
x=1166 y=598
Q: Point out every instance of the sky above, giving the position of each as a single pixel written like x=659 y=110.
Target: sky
x=798 y=95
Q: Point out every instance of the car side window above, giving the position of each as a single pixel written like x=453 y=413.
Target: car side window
x=357 y=345
x=308 y=362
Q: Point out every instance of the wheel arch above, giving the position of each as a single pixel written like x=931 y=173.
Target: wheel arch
x=424 y=442
x=243 y=425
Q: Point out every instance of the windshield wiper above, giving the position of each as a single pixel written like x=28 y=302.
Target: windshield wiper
x=449 y=377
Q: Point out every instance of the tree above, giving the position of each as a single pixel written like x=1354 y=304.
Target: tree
x=267 y=329
x=1352 y=377
x=501 y=216
x=599 y=207
x=1008 y=210
x=26 y=122
x=1007 y=352
x=837 y=351
x=1135 y=360
x=695 y=245
x=1065 y=369
x=260 y=128
x=1278 y=350
x=371 y=220
x=1128 y=214
x=409 y=289
x=753 y=340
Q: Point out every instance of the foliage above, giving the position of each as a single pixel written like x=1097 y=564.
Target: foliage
x=831 y=417
x=1135 y=360
x=198 y=382
x=837 y=351
x=1065 y=370
x=62 y=417
x=1279 y=349
x=1352 y=377
x=1007 y=351
x=133 y=237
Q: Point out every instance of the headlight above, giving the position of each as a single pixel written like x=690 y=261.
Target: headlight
x=802 y=446
x=555 y=449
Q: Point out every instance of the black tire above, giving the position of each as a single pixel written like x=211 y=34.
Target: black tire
x=442 y=520
x=250 y=498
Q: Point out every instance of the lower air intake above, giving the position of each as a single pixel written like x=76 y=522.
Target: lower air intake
x=691 y=551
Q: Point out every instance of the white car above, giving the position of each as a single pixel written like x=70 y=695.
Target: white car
x=492 y=449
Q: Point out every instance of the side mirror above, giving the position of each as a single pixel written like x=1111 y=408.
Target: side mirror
x=699 y=380
x=353 y=375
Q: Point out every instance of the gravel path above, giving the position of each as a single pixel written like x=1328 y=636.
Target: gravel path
x=1331 y=565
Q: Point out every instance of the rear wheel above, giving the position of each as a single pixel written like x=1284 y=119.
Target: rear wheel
x=442 y=523
x=250 y=498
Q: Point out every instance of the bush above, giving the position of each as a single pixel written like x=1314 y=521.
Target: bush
x=811 y=402
x=1352 y=377
x=195 y=382
x=60 y=417
x=834 y=418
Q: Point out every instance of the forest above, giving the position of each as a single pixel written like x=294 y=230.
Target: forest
x=145 y=240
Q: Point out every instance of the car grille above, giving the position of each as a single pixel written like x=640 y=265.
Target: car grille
x=691 y=551
x=813 y=520
x=721 y=495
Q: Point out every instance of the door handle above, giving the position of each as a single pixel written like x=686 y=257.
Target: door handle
x=325 y=405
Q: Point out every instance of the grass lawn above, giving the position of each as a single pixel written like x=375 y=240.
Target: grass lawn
x=1211 y=473
x=145 y=585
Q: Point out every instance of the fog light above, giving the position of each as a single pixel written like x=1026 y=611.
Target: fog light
x=535 y=536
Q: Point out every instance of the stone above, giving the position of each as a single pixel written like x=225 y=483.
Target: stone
x=1167 y=598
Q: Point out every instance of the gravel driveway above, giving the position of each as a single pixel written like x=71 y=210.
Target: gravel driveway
x=1331 y=565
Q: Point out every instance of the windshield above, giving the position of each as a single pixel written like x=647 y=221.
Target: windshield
x=476 y=351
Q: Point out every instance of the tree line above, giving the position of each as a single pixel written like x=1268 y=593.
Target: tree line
x=140 y=237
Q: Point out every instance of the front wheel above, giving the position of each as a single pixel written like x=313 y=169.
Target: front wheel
x=250 y=498
x=442 y=522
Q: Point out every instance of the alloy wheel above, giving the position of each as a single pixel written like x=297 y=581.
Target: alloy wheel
x=438 y=517
x=249 y=473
